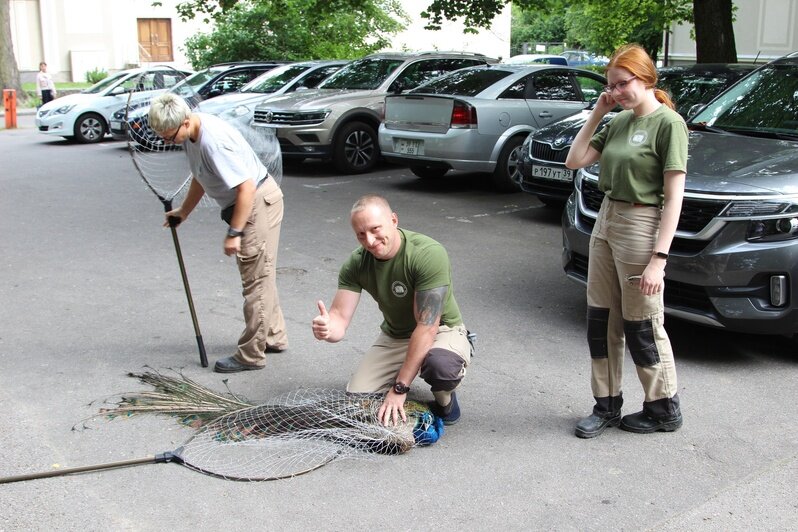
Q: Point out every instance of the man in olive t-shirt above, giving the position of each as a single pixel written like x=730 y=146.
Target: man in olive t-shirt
x=422 y=333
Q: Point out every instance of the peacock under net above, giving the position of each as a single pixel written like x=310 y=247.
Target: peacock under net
x=290 y=435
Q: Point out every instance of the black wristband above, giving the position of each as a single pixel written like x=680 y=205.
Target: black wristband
x=234 y=232
x=401 y=388
x=660 y=254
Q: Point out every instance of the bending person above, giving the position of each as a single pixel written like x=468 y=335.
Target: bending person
x=225 y=166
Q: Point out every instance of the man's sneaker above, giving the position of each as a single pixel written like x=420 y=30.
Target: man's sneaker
x=450 y=414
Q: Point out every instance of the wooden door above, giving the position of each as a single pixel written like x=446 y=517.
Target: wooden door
x=155 y=40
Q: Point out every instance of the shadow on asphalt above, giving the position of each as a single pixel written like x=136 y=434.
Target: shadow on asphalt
x=707 y=345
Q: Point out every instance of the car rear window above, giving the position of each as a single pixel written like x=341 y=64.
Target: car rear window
x=469 y=82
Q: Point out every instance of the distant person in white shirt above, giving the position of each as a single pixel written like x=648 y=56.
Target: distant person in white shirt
x=45 y=88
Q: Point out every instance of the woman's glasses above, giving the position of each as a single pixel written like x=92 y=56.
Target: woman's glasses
x=621 y=85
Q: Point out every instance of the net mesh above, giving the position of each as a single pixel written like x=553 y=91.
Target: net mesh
x=294 y=434
x=290 y=435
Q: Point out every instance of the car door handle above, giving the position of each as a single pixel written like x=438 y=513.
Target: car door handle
x=545 y=114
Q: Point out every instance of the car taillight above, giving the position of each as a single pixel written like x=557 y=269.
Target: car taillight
x=464 y=116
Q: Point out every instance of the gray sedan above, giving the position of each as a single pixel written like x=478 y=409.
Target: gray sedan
x=476 y=119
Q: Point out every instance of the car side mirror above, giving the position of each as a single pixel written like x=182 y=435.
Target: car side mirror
x=119 y=89
x=397 y=87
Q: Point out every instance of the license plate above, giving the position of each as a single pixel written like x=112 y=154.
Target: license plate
x=551 y=172
x=409 y=146
x=116 y=125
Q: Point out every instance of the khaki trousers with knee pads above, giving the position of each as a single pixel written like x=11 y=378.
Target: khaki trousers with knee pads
x=620 y=316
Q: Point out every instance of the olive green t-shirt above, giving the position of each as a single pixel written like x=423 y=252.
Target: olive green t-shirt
x=421 y=264
x=636 y=151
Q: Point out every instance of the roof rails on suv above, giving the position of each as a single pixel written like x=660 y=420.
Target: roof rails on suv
x=338 y=121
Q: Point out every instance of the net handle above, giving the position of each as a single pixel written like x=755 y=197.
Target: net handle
x=174 y=221
x=157 y=459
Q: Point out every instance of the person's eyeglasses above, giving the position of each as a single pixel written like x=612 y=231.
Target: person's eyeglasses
x=621 y=85
x=171 y=140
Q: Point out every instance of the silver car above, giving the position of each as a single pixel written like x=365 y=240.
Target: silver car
x=476 y=119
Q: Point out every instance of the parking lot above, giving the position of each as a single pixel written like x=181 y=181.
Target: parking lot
x=91 y=291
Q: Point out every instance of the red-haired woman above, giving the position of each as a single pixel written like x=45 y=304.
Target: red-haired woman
x=643 y=155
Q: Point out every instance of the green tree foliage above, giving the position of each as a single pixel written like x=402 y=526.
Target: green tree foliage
x=641 y=21
x=596 y=26
x=292 y=30
x=535 y=27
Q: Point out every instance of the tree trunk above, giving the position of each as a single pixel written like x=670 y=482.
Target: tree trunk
x=9 y=73
x=714 y=33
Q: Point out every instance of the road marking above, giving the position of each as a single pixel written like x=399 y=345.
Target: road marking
x=327 y=184
x=510 y=210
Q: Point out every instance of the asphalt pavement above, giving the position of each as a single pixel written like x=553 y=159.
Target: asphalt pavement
x=91 y=291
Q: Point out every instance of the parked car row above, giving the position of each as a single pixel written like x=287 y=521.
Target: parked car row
x=734 y=261
x=84 y=117
x=338 y=121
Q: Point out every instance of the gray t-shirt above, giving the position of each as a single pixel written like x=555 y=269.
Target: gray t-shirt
x=221 y=159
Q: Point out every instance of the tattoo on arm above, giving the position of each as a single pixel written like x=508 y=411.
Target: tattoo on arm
x=429 y=305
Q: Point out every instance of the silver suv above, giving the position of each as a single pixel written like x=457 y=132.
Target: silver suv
x=734 y=261
x=338 y=121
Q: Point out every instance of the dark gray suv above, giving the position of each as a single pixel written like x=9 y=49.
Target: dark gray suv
x=734 y=261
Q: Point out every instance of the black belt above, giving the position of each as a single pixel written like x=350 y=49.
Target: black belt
x=633 y=204
x=227 y=212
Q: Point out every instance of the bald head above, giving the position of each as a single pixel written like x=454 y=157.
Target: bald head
x=376 y=226
x=369 y=200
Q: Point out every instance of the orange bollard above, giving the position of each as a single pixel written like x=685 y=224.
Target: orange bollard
x=10 y=102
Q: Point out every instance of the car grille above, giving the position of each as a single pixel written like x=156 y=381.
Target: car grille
x=543 y=151
x=287 y=118
x=696 y=214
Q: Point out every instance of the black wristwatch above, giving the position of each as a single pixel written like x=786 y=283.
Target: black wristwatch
x=401 y=388
x=232 y=233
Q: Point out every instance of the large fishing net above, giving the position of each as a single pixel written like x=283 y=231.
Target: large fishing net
x=282 y=438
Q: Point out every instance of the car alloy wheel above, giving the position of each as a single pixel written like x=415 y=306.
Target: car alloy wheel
x=506 y=173
x=89 y=128
x=356 y=150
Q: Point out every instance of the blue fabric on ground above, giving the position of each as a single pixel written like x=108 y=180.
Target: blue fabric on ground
x=428 y=430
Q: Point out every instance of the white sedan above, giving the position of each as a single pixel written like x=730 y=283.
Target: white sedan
x=84 y=117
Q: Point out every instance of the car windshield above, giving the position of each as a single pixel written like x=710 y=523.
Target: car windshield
x=764 y=102
x=275 y=79
x=366 y=74
x=100 y=86
x=690 y=88
x=192 y=84
x=468 y=82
